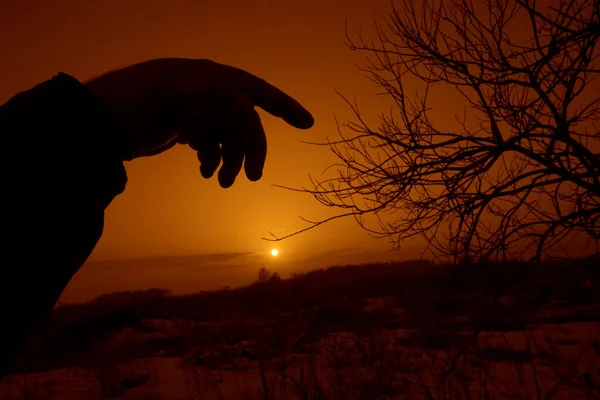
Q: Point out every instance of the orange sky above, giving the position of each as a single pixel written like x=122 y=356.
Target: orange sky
x=167 y=208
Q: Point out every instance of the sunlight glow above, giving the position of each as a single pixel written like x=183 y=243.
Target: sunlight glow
x=274 y=252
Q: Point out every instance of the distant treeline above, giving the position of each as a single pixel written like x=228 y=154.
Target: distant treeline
x=72 y=328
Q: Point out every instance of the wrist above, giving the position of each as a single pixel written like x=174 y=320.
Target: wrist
x=115 y=131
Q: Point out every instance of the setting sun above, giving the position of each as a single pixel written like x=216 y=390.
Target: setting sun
x=274 y=252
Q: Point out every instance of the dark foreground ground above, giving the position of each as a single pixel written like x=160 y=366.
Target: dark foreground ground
x=385 y=331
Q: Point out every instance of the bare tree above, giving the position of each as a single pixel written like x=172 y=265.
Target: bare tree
x=519 y=176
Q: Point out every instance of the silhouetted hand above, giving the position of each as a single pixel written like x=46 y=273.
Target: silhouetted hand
x=207 y=105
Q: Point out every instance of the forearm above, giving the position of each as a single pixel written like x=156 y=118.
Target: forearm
x=61 y=166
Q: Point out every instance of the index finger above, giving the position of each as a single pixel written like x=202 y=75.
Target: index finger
x=271 y=99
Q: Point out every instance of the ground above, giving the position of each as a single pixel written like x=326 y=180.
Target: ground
x=384 y=331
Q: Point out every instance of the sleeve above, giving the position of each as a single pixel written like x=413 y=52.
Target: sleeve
x=60 y=167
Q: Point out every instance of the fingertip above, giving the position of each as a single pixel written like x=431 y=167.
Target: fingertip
x=254 y=176
x=254 y=163
x=301 y=120
x=209 y=155
x=226 y=180
x=206 y=171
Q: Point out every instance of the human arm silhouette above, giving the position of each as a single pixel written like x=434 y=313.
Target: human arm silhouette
x=63 y=147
